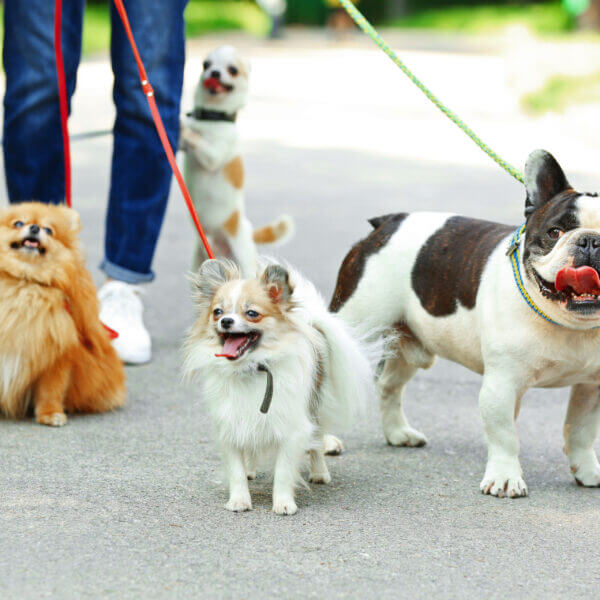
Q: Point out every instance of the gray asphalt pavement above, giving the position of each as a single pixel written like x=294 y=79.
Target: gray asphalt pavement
x=130 y=504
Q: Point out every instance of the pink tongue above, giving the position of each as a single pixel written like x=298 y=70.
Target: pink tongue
x=212 y=83
x=583 y=280
x=232 y=345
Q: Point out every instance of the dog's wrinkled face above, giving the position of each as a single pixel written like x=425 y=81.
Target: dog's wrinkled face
x=36 y=238
x=243 y=319
x=561 y=254
x=223 y=85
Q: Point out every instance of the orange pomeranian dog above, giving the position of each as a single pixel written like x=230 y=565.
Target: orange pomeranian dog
x=55 y=354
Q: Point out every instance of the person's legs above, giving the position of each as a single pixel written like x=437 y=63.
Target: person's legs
x=141 y=176
x=33 y=148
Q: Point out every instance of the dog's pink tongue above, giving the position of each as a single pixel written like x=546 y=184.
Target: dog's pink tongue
x=232 y=345
x=212 y=83
x=583 y=280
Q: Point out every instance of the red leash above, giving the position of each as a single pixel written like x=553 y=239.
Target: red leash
x=149 y=93
x=62 y=97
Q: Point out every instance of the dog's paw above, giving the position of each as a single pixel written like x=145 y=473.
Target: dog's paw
x=239 y=504
x=587 y=474
x=284 y=506
x=332 y=446
x=405 y=436
x=503 y=481
x=320 y=477
x=53 y=419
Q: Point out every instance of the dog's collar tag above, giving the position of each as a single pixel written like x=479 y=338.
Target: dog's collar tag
x=266 y=403
x=201 y=114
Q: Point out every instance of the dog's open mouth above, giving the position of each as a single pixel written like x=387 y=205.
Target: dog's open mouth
x=236 y=345
x=215 y=86
x=575 y=288
x=30 y=244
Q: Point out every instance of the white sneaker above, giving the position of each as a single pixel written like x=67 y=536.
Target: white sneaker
x=121 y=309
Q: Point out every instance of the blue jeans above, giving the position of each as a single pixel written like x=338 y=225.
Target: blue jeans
x=33 y=149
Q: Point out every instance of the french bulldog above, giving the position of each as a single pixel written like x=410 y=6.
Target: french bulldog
x=522 y=310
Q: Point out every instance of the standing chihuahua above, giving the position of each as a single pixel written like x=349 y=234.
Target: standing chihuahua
x=267 y=338
x=213 y=167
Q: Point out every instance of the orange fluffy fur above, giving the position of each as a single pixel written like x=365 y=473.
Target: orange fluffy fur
x=55 y=355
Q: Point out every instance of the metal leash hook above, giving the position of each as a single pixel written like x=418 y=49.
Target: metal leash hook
x=266 y=403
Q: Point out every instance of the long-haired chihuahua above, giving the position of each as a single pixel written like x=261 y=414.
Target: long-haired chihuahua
x=278 y=371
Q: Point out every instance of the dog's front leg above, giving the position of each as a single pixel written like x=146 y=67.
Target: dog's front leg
x=498 y=399
x=50 y=392
x=581 y=429
x=239 y=494
x=284 y=481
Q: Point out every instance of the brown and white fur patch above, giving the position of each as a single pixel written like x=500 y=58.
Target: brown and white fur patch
x=446 y=285
x=213 y=166
x=321 y=375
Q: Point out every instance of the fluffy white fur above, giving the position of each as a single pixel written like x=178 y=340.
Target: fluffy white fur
x=321 y=373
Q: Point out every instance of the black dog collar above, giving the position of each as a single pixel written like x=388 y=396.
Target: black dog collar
x=201 y=114
x=266 y=403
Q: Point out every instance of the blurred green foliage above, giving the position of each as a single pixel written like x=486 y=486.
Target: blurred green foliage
x=561 y=91
x=547 y=18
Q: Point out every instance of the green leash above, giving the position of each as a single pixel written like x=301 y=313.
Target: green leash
x=360 y=20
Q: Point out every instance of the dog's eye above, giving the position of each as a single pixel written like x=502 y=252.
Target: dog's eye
x=252 y=314
x=233 y=71
x=18 y=224
x=206 y=64
x=555 y=233
x=217 y=312
x=48 y=230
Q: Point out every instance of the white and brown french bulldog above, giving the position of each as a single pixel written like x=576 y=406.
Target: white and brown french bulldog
x=447 y=285
x=213 y=167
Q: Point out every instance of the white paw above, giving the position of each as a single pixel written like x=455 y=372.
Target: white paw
x=284 y=506
x=587 y=474
x=53 y=420
x=320 y=477
x=239 y=504
x=503 y=481
x=405 y=436
x=332 y=446
x=251 y=475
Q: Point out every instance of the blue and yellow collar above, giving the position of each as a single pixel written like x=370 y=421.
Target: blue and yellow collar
x=515 y=259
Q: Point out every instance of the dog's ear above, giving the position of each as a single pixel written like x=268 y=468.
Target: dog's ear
x=277 y=281
x=72 y=218
x=211 y=275
x=544 y=179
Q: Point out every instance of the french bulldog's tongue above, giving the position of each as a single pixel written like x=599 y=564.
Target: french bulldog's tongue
x=232 y=345
x=212 y=83
x=583 y=280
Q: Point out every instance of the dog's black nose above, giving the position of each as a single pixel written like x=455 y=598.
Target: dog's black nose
x=227 y=322
x=589 y=241
x=34 y=229
x=215 y=74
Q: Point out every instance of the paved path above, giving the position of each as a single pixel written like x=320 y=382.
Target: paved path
x=129 y=505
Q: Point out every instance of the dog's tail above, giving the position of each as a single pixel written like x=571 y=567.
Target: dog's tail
x=276 y=233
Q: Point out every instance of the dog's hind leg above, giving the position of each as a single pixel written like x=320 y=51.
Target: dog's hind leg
x=238 y=232
x=582 y=425
x=333 y=446
x=396 y=373
x=250 y=464
x=319 y=473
